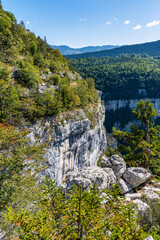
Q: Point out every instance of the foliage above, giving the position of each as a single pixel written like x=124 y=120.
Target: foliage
x=141 y=145
x=16 y=159
x=123 y=76
x=28 y=76
x=26 y=63
x=77 y=215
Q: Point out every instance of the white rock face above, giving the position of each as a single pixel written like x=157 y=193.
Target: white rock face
x=103 y=177
x=118 y=165
x=135 y=176
x=131 y=103
x=75 y=141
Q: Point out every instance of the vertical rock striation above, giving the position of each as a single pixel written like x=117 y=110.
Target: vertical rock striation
x=75 y=141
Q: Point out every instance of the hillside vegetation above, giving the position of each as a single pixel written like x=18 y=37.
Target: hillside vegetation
x=36 y=80
x=122 y=77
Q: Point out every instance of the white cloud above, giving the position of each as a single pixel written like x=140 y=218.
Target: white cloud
x=127 y=22
x=28 y=22
x=152 y=24
x=83 y=19
x=108 y=23
x=115 y=19
x=137 y=27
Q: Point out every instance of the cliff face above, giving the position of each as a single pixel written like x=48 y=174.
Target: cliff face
x=119 y=113
x=75 y=141
x=131 y=103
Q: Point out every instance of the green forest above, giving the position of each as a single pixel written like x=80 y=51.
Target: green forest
x=122 y=77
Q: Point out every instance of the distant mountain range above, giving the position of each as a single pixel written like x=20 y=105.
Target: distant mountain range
x=65 y=50
x=150 y=48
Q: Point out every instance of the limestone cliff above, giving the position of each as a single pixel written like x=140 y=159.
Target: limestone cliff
x=75 y=141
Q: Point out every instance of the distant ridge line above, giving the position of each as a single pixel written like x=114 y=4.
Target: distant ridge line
x=65 y=50
x=150 y=48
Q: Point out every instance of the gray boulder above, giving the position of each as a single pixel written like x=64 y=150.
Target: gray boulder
x=135 y=176
x=124 y=186
x=118 y=165
x=103 y=177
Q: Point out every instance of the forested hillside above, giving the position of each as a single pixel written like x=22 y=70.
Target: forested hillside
x=123 y=77
x=35 y=80
x=150 y=48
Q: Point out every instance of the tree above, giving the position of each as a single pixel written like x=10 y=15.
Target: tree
x=45 y=39
x=141 y=145
x=22 y=24
x=146 y=113
x=17 y=160
x=78 y=215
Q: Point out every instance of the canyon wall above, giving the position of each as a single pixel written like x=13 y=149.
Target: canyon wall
x=74 y=140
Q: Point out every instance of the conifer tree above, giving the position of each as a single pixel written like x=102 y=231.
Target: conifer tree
x=141 y=145
x=17 y=160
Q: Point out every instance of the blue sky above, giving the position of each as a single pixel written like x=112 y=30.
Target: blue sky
x=79 y=23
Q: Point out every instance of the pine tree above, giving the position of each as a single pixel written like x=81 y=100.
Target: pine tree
x=17 y=160
x=141 y=145
x=22 y=24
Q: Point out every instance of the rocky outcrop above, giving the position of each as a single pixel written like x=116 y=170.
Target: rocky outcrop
x=103 y=177
x=116 y=163
x=135 y=176
x=113 y=170
x=75 y=141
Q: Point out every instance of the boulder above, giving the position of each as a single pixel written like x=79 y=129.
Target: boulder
x=103 y=177
x=118 y=165
x=135 y=176
x=124 y=186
